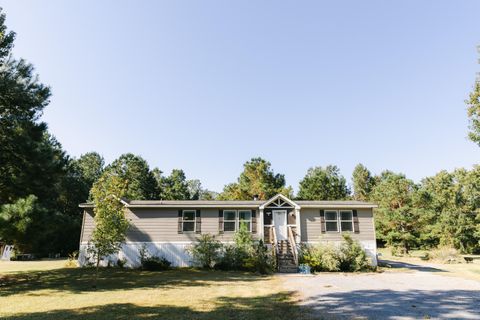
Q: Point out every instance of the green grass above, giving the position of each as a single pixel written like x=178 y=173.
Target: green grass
x=47 y=290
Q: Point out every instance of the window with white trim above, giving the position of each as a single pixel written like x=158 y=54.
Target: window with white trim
x=346 y=220
x=245 y=217
x=331 y=221
x=229 y=220
x=188 y=220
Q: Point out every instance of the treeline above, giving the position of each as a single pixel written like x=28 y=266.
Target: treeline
x=41 y=185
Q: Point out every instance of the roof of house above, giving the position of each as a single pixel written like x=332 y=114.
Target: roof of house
x=241 y=203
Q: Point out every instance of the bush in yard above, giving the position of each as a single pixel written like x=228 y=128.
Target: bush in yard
x=206 y=251
x=72 y=261
x=446 y=254
x=351 y=256
x=236 y=256
x=121 y=263
x=149 y=262
x=231 y=258
x=155 y=263
x=320 y=257
x=260 y=260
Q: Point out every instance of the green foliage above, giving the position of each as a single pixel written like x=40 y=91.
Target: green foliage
x=156 y=264
x=323 y=184
x=399 y=218
x=90 y=166
x=257 y=179
x=121 y=263
x=110 y=222
x=351 y=256
x=197 y=192
x=19 y=220
x=150 y=262
x=175 y=186
x=231 y=258
x=32 y=161
x=473 y=112
x=142 y=184
x=348 y=257
x=260 y=260
x=320 y=257
x=243 y=238
x=363 y=183
x=453 y=201
x=206 y=251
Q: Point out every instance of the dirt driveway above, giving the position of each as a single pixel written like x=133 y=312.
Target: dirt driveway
x=417 y=294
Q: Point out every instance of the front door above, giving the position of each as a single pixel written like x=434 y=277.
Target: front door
x=280 y=223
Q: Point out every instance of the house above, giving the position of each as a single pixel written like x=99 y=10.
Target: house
x=168 y=228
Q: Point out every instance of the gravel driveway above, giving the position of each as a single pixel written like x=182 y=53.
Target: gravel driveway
x=416 y=294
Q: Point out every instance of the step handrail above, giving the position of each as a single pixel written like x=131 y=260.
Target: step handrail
x=274 y=233
x=291 y=239
x=275 y=246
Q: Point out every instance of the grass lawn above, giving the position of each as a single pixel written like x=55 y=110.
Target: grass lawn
x=47 y=290
x=463 y=270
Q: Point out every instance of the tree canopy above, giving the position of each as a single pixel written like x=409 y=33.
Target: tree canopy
x=363 y=182
x=257 y=180
x=142 y=184
x=323 y=184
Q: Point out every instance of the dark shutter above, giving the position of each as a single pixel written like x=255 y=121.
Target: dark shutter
x=198 y=222
x=254 y=221
x=180 y=229
x=220 y=221
x=322 y=220
x=356 y=227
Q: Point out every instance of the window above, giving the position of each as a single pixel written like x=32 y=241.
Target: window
x=229 y=220
x=188 y=220
x=346 y=220
x=245 y=217
x=331 y=220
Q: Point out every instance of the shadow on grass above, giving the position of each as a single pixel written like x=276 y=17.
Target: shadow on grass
x=78 y=280
x=411 y=266
x=390 y=304
x=276 y=306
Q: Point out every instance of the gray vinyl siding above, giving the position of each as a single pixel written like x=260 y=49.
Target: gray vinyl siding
x=161 y=225
x=88 y=225
x=312 y=229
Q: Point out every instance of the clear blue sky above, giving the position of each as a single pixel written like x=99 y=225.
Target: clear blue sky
x=206 y=85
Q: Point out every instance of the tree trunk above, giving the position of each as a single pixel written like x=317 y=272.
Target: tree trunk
x=96 y=272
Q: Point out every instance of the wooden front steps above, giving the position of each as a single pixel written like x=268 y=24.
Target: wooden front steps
x=285 y=260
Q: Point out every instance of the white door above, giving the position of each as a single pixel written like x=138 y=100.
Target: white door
x=280 y=222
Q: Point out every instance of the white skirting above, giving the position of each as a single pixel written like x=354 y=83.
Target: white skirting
x=175 y=252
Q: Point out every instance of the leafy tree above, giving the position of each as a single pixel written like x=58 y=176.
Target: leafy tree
x=90 y=166
x=206 y=251
x=18 y=219
x=176 y=187
x=32 y=162
x=22 y=137
x=197 y=192
x=399 y=219
x=111 y=224
x=473 y=112
x=257 y=179
x=142 y=184
x=363 y=183
x=453 y=202
x=323 y=184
